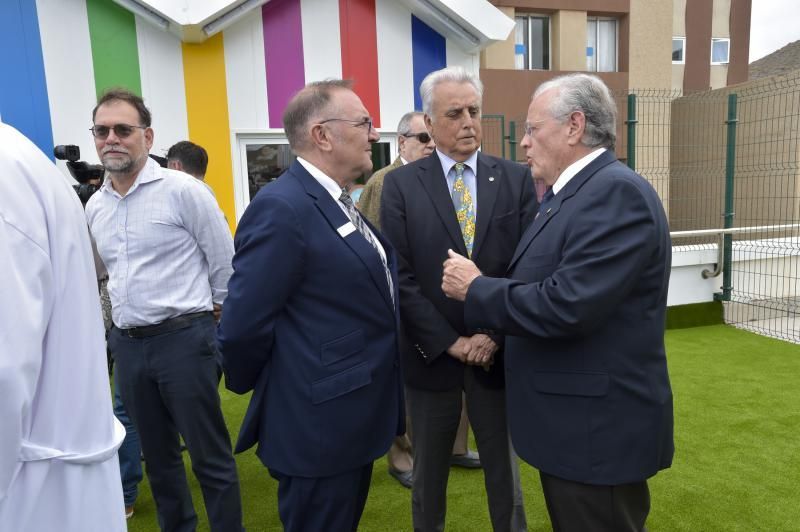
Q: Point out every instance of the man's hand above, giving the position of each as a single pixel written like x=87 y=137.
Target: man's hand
x=460 y=348
x=482 y=351
x=217 y=312
x=459 y=272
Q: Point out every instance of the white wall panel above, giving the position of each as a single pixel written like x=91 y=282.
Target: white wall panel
x=322 y=45
x=163 y=89
x=458 y=57
x=245 y=73
x=395 y=62
x=67 y=52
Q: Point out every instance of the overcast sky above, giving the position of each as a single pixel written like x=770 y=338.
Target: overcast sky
x=773 y=24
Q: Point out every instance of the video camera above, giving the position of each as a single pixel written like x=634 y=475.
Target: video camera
x=82 y=171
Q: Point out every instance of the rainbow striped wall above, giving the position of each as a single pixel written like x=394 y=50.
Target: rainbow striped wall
x=56 y=56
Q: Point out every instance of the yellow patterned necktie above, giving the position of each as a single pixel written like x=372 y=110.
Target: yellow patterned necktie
x=465 y=210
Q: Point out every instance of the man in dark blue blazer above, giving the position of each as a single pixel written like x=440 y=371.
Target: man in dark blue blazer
x=311 y=324
x=583 y=308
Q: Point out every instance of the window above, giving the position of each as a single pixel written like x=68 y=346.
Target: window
x=720 y=49
x=265 y=155
x=265 y=162
x=678 y=50
x=601 y=44
x=532 y=42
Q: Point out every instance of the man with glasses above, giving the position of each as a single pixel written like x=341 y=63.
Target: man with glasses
x=310 y=323
x=460 y=199
x=584 y=304
x=168 y=253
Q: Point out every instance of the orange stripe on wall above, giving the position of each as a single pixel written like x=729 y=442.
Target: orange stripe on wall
x=207 y=110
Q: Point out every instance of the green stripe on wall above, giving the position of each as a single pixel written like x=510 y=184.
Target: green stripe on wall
x=115 y=54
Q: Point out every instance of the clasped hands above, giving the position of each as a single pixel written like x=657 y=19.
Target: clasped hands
x=476 y=350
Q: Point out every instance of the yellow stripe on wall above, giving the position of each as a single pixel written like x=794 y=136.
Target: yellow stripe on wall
x=207 y=110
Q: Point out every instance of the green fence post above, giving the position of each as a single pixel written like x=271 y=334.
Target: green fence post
x=512 y=139
x=631 y=121
x=503 y=135
x=727 y=240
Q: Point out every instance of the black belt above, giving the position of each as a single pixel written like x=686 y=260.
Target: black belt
x=172 y=324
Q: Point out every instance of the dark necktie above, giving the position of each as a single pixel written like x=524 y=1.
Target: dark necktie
x=355 y=217
x=546 y=199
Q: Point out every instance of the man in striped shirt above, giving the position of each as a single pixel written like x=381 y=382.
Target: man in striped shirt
x=168 y=253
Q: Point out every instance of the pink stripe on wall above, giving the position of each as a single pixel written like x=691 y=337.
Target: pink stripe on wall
x=283 y=55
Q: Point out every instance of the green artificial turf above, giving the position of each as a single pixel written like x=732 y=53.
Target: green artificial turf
x=736 y=467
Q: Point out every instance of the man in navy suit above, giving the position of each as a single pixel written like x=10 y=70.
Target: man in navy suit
x=311 y=324
x=583 y=307
x=455 y=198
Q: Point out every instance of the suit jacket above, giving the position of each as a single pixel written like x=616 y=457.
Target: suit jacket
x=370 y=201
x=309 y=325
x=418 y=217
x=589 y=397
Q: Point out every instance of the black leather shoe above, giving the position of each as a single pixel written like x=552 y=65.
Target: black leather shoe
x=403 y=477
x=470 y=460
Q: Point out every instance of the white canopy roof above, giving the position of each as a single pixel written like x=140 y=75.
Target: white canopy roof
x=472 y=24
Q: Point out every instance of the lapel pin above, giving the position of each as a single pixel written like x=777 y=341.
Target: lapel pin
x=548 y=210
x=491 y=178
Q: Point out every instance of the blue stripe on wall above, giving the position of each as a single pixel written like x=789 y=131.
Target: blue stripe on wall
x=428 y=53
x=23 y=88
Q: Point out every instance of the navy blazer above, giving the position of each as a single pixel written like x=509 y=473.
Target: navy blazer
x=309 y=325
x=418 y=217
x=589 y=398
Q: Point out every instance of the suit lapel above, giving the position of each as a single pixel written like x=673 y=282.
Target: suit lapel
x=433 y=181
x=554 y=206
x=355 y=241
x=487 y=180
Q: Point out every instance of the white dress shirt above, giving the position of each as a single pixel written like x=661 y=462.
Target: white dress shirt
x=166 y=246
x=333 y=188
x=573 y=169
x=59 y=437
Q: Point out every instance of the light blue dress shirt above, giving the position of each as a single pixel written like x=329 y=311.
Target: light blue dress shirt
x=166 y=246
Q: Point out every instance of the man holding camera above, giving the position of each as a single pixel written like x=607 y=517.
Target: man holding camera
x=168 y=252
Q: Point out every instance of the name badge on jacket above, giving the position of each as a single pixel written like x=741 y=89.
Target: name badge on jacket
x=346 y=229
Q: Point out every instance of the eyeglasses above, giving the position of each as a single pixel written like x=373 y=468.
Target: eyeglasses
x=356 y=123
x=120 y=130
x=423 y=137
x=530 y=127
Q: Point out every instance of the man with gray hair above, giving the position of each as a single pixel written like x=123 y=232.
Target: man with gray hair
x=583 y=308
x=413 y=143
x=457 y=198
x=310 y=323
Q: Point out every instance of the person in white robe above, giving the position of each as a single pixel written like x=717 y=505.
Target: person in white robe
x=59 y=437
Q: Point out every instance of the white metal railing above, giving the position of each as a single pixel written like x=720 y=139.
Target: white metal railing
x=731 y=231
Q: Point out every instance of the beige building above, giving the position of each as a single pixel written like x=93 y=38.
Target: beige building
x=658 y=49
x=632 y=44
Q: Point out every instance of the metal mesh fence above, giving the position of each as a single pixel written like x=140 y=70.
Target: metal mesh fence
x=723 y=159
x=494 y=132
